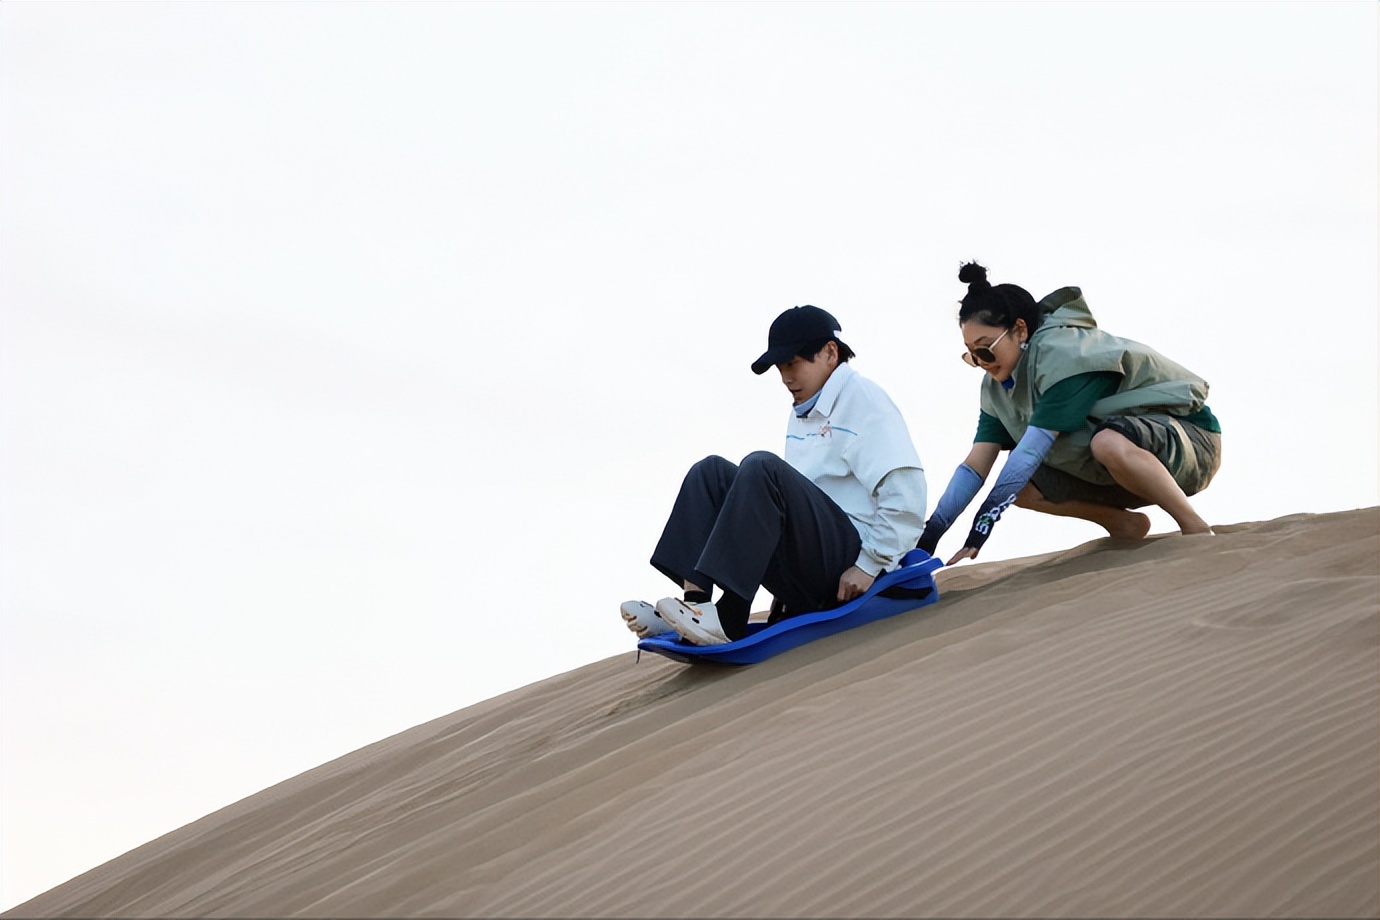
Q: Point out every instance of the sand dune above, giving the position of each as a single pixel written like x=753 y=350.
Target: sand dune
x=1185 y=727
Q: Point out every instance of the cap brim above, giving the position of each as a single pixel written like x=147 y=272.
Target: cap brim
x=773 y=356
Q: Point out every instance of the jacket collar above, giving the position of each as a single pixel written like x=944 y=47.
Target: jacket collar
x=829 y=393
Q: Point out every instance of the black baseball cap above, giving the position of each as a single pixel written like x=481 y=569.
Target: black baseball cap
x=794 y=331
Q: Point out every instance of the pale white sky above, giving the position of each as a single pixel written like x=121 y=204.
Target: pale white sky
x=351 y=354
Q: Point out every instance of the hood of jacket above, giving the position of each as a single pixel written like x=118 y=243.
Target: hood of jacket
x=1066 y=307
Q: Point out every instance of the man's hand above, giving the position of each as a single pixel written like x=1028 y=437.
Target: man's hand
x=966 y=553
x=853 y=583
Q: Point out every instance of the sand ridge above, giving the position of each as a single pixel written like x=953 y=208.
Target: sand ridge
x=1178 y=727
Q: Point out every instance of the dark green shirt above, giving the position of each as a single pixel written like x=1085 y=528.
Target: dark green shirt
x=1065 y=407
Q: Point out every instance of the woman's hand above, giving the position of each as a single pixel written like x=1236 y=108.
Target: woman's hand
x=966 y=553
x=853 y=583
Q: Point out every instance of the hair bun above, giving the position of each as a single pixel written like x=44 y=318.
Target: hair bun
x=973 y=273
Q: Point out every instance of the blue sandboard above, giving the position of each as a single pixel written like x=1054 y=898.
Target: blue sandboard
x=910 y=586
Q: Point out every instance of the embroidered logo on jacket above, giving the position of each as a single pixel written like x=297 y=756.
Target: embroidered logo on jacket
x=827 y=431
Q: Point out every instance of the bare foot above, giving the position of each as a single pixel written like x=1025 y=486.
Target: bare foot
x=1131 y=525
x=1189 y=523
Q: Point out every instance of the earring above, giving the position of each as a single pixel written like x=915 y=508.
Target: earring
x=1024 y=346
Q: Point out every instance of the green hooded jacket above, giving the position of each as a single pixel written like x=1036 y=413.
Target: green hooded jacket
x=1067 y=343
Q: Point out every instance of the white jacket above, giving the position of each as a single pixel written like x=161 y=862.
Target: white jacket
x=854 y=445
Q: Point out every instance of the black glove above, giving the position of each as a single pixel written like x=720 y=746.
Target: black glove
x=929 y=539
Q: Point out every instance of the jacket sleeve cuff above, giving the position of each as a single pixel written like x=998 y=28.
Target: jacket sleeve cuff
x=871 y=564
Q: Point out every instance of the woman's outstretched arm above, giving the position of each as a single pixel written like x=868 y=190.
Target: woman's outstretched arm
x=1020 y=466
x=962 y=488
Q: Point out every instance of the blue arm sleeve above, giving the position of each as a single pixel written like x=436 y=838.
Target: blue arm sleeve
x=1020 y=466
x=960 y=491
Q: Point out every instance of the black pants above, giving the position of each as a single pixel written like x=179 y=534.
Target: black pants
x=758 y=524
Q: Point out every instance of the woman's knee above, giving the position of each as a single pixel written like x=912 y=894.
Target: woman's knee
x=1030 y=497
x=1109 y=446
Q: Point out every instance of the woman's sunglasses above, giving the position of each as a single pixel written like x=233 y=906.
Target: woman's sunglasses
x=983 y=353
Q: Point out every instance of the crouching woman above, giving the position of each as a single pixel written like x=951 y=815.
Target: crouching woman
x=1096 y=425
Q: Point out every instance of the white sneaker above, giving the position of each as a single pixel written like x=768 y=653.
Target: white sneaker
x=643 y=619
x=696 y=623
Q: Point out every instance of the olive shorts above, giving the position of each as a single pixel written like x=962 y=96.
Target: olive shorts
x=1191 y=454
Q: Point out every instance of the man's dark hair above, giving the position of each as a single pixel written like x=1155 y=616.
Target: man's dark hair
x=812 y=350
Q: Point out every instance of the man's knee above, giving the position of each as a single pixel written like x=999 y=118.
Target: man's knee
x=712 y=464
x=761 y=468
x=761 y=461
x=711 y=469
